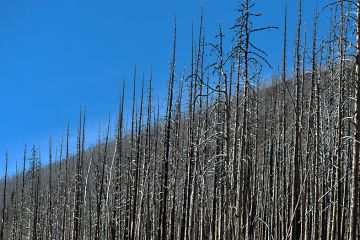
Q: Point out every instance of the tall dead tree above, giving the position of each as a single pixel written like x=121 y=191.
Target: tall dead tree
x=22 y=204
x=165 y=173
x=116 y=213
x=295 y=208
x=137 y=166
x=355 y=168
x=99 y=206
x=147 y=159
x=316 y=175
x=65 y=187
x=128 y=219
x=4 y=198
x=78 y=179
x=50 y=194
x=336 y=191
x=35 y=167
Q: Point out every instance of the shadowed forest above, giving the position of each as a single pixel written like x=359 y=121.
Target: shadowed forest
x=227 y=157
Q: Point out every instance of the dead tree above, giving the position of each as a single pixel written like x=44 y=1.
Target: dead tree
x=295 y=208
x=50 y=194
x=65 y=187
x=355 y=168
x=4 y=199
x=78 y=179
x=165 y=173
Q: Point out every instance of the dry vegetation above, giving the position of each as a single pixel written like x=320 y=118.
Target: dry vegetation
x=229 y=160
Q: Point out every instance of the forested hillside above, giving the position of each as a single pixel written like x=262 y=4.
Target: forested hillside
x=230 y=158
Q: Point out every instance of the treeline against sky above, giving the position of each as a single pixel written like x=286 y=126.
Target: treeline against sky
x=229 y=159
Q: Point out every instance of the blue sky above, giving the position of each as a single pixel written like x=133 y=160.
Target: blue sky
x=56 y=56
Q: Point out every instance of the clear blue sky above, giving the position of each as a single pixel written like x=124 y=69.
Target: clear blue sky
x=58 y=55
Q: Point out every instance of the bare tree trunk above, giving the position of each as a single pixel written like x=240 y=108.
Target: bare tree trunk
x=99 y=206
x=65 y=190
x=50 y=195
x=78 y=180
x=314 y=80
x=164 y=203
x=4 y=199
x=355 y=168
x=295 y=208
x=116 y=214
x=137 y=167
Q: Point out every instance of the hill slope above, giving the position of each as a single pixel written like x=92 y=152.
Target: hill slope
x=228 y=160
